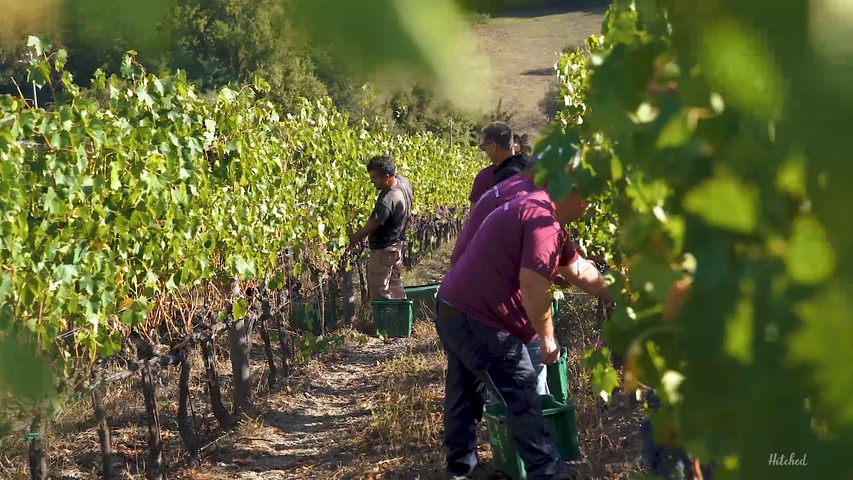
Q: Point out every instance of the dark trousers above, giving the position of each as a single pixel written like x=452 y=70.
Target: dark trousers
x=479 y=357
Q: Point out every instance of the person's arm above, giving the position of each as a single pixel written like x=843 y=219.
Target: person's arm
x=536 y=300
x=471 y=225
x=561 y=282
x=458 y=248
x=381 y=213
x=362 y=233
x=583 y=274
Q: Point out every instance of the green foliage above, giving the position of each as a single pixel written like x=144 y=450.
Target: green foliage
x=24 y=374
x=418 y=111
x=233 y=41
x=604 y=376
x=697 y=129
x=138 y=188
x=432 y=39
x=310 y=344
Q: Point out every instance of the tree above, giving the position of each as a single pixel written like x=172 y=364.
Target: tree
x=231 y=41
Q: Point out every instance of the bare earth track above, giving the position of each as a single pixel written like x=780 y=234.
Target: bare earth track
x=522 y=48
x=311 y=429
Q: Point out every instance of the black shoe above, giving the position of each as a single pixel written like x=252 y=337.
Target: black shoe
x=478 y=473
x=569 y=472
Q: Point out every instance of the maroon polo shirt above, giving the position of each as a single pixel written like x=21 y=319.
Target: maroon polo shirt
x=482 y=182
x=523 y=233
x=496 y=196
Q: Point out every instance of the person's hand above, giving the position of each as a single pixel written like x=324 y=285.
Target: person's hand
x=561 y=282
x=675 y=299
x=550 y=349
x=607 y=305
x=353 y=237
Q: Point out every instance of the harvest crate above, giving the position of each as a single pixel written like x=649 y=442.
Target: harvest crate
x=558 y=377
x=560 y=419
x=393 y=317
x=424 y=297
x=306 y=317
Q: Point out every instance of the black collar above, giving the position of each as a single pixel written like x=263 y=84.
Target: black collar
x=505 y=163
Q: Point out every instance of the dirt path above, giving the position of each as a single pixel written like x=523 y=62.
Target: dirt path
x=310 y=429
x=522 y=48
x=368 y=409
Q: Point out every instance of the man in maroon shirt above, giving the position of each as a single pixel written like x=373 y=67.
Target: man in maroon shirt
x=495 y=300
x=506 y=160
x=482 y=182
x=513 y=187
x=494 y=197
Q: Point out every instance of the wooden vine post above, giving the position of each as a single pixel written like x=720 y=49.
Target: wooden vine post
x=348 y=294
x=266 y=315
x=214 y=391
x=283 y=337
x=362 y=281
x=184 y=426
x=37 y=453
x=332 y=301
x=238 y=343
x=154 y=466
x=103 y=428
x=321 y=301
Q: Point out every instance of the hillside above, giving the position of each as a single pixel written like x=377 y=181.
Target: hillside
x=522 y=47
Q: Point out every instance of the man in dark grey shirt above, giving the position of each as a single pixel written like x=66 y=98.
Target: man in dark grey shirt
x=386 y=229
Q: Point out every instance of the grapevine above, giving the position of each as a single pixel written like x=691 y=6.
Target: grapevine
x=118 y=196
x=715 y=199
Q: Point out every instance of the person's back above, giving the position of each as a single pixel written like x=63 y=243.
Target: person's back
x=524 y=233
x=394 y=209
x=493 y=198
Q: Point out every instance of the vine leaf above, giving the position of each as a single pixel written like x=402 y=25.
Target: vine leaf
x=724 y=202
x=810 y=258
x=604 y=376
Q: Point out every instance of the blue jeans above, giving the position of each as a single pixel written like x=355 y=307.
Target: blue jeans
x=479 y=357
x=534 y=349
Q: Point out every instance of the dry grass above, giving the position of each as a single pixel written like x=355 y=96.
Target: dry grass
x=431 y=269
x=408 y=409
x=405 y=423
x=608 y=432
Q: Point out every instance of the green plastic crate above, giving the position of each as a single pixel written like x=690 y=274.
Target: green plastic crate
x=555 y=307
x=424 y=297
x=558 y=377
x=560 y=419
x=393 y=317
x=306 y=317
